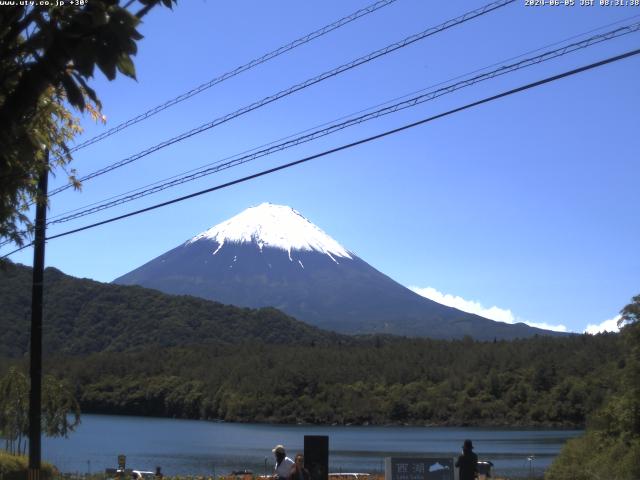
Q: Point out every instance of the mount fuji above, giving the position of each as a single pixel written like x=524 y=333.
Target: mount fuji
x=271 y=255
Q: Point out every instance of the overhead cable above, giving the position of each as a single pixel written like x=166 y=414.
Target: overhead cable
x=236 y=71
x=344 y=117
x=300 y=86
x=331 y=127
x=346 y=146
x=412 y=102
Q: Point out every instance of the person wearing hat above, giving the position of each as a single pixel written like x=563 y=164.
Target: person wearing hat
x=467 y=463
x=282 y=468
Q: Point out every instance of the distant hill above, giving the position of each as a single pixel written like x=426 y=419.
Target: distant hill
x=84 y=316
x=180 y=356
x=271 y=255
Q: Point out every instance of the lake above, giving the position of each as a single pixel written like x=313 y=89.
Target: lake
x=194 y=447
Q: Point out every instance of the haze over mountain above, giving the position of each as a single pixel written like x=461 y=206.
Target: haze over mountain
x=271 y=255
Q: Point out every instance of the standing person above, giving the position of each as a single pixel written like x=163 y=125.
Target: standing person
x=298 y=472
x=467 y=462
x=283 y=465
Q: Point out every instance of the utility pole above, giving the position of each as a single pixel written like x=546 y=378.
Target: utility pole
x=35 y=393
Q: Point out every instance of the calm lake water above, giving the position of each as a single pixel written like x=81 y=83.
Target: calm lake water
x=192 y=447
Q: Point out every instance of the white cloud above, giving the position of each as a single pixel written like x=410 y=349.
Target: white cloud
x=610 y=325
x=546 y=326
x=469 y=306
x=472 y=306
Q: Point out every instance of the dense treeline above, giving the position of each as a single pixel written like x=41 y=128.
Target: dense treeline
x=610 y=448
x=539 y=381
x=130 y=350
x=83 y=316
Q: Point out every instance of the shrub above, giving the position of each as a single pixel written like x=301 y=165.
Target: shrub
x=15 y=467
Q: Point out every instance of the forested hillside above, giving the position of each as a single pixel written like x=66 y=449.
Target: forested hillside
x=129 y=350
x=540 y=381
x=610 y=447
x=83 y=316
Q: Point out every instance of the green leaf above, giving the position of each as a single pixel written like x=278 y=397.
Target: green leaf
x=74 y=94
x=84 y=58
x=125 y=65
x=106 y=60
x=90 y=91
x=108 y=67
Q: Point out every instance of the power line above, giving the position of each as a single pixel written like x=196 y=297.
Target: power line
x=332 y=127
x=274 y=142
x=236 y=71
x=300 y=86
x=230 y=74
x=347 y=146
x=412 y=102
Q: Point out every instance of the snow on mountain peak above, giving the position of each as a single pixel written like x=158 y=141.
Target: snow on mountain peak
x=276 y=226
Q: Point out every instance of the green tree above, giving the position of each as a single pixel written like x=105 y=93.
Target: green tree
x=630 y=323
x=47 y=56
x=60 y=409
x=14 y=409
x=610 y=448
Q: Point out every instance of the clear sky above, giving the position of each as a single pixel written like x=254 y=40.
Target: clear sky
x=528 y=204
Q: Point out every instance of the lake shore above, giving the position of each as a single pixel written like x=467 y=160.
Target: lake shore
x=206 y=448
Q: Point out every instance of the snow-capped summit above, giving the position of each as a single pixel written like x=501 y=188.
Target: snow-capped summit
x=275 y=226
x=270 y=255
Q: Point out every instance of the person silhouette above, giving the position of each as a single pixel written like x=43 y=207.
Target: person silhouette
x=467 y=463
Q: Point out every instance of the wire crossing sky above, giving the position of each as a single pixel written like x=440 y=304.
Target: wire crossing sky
x=411 y=102
x=518 y=210
x=296 y=88
x=344 y=147
x=236 y=71
x=417 y=100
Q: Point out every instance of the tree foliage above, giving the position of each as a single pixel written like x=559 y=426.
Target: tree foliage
x=610 y=448
x=14 y=409
x=374 y=380
x=630 y=314
x=131 y=350
x=60 y=410
x=48 y=54
x=83 y=316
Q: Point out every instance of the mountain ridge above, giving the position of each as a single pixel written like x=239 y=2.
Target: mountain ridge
x=83 y=316
x=248 y=261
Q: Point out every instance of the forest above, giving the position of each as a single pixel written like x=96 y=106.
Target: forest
x=130 y=350
x=376 y=380
x=610 y=447
x=83 y=316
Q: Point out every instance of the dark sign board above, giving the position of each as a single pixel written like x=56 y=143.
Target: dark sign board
x=419 y=468
x=316 y=456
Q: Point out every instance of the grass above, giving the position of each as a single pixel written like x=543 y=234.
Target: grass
x=15 y=467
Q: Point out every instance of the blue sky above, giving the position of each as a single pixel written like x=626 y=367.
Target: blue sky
x=527 y=204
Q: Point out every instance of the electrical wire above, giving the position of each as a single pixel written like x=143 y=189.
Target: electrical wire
x=371 y=108
x=300 y=86
x=236 y=71
x=346 y=146
x=273 y=147
x=412 y=102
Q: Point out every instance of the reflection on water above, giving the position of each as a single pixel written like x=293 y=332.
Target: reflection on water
x=204 y=448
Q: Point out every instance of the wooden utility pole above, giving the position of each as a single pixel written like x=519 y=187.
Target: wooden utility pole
x=35 y=393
